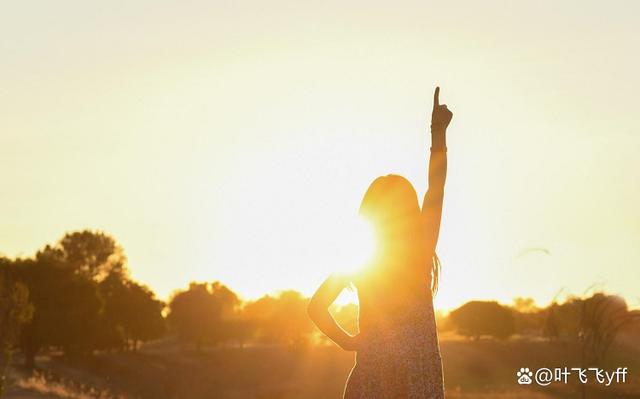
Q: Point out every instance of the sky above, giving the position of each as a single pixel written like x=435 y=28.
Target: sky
x=233 y=141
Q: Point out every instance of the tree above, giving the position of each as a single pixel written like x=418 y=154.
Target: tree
x=282 y=319
x=132 y=314
x=67 y=307
x=145 y=321
x=239 y=329
x=195 y=315
x=15 y=310
x=529 y=319
x=65 y=284
x=524 y=305
x=602 y=318
x=93 y=255
x=563 y=320
x=594 y=322
x=477 y=318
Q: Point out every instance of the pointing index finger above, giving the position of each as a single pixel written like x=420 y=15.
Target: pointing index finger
x=436 y=97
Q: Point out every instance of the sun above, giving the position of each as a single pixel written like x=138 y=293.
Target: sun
x=358 y=245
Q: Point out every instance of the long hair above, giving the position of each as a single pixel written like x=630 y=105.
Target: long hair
x=391 y=204
x=435 y=273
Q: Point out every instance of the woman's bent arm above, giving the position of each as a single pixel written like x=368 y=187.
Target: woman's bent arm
x=319 y=312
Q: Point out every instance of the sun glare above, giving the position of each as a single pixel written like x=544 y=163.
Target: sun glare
x=358 y=244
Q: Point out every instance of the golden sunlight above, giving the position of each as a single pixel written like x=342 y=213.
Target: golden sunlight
x=359 y=245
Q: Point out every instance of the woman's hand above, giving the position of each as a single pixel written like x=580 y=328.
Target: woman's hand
x=440 y=116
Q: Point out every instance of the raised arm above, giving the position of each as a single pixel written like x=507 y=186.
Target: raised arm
x=319 y=312
x=432 y=204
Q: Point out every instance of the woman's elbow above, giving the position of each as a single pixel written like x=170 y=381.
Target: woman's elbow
x=314 y=310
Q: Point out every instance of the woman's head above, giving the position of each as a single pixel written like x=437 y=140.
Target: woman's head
x=391 y=205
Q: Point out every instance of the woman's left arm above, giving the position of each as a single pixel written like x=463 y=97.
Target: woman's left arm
x=318 y=311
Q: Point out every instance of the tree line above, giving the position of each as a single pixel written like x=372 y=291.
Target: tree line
x=77 y=297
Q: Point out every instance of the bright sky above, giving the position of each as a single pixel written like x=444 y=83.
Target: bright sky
x=233 y=141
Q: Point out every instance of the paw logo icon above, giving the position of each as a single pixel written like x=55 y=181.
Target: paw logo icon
x=524 y=376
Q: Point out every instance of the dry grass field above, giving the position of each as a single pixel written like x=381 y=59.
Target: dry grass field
x=484 y=369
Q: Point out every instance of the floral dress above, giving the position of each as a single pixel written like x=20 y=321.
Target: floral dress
x=399 y=357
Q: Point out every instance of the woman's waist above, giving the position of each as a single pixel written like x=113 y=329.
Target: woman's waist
x=372 y=312
x=396 y=328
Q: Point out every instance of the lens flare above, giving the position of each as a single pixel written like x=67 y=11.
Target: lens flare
x=358 y=245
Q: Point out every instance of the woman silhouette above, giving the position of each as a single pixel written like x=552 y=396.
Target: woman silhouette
x=398 y=354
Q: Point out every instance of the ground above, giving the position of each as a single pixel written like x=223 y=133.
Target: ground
x=484 y=369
